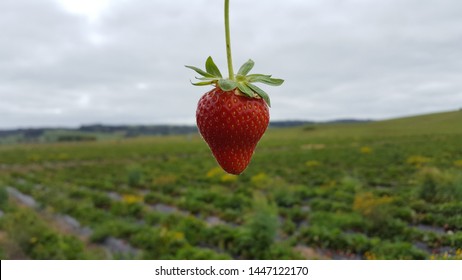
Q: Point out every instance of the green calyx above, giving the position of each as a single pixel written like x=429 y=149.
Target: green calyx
x=242 y=82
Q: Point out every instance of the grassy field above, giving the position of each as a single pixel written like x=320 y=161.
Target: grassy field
x=380 y=190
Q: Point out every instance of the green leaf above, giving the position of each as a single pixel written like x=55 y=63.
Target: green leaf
x=261 y=93
x=200 y=71
x=245 y=69
x=252 y=77
x=240 y=78
x=203 y=83
x=245 y=90
x=265 y=79
x=226 y=84
x=212 y=68
x=207 y=78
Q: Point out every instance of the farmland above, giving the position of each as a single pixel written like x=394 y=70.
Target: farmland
x=378 y=190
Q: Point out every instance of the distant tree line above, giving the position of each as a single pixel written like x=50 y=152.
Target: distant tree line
x=89 y=132
x=140 y=130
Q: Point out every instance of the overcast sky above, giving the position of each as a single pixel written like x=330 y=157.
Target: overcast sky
x=73 y=62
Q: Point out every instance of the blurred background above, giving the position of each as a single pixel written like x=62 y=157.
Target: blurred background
x=100 y=156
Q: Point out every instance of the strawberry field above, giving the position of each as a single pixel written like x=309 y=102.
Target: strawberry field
x=385 y=190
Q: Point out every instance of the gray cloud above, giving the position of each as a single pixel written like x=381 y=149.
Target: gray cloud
x=356 y=58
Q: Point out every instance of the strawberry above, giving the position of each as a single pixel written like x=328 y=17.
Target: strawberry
x=231 y=125
x=234 y=115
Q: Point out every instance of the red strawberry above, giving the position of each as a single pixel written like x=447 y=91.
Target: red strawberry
x=231 y=125
x=232 y=117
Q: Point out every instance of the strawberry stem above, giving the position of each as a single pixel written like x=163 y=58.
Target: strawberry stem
x=228 y=42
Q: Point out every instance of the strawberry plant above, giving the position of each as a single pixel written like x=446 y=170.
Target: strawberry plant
x=234 y=115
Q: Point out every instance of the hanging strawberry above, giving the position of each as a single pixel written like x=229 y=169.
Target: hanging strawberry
x=234 y=115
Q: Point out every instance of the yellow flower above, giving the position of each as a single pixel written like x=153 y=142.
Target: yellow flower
x=215 y=172
x=177 y=235
x=418 y=161
x=370 y=256
x=366 y=203
x=259 y=179
x=458 y=163
x=312 y=163
x=131 y=198
x=228 y=178
x=365 y=150
x=459 y=254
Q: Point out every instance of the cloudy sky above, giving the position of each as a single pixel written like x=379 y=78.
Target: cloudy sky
x=73 y=62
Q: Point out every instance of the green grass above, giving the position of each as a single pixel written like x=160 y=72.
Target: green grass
x=441 y=123
x=386 y=190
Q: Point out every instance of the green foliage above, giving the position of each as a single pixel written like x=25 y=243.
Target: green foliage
x=321 y=236
x=156 y=197
x=343 y=221
x=284 y=198
x=191 y=253
x=440 y=186
x=223 y=237
x=38 y=240
x=3 y=197
x=259 y=230
x=397 y=251
x=119 y=229
x=158 y=243
x=194 y=229
x=445 y=215
x=455 y=240
x=282 y=251
x=128 y=209
x=135 y=176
